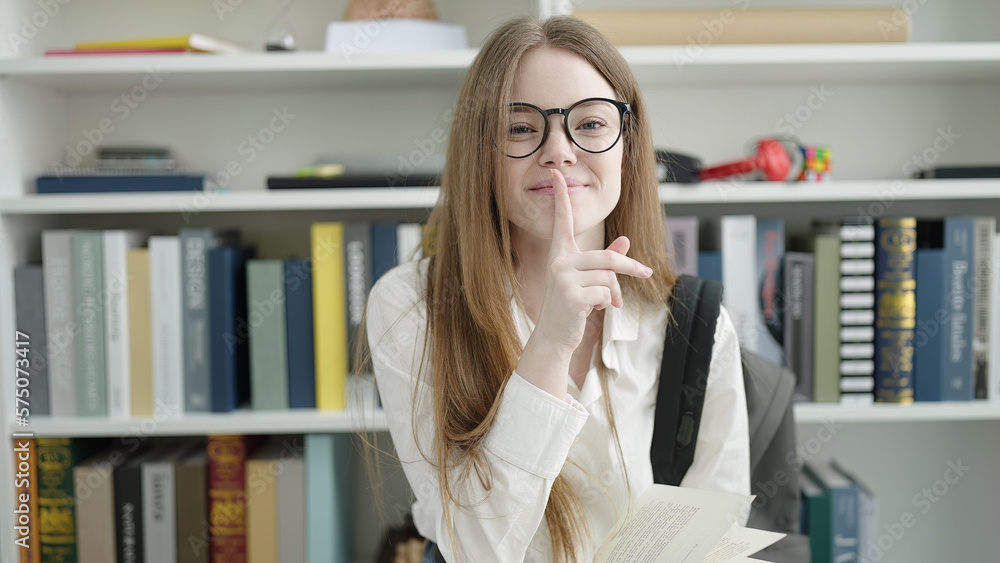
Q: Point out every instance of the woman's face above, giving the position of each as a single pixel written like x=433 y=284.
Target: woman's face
x=557 y=78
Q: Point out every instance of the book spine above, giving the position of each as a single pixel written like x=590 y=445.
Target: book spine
x=985 y=231
x=798 y=326
x=408 y=242
x=60 y=321
x=55 y=499
x=95 y=508
x=159 y=518
x=262 y=506
x=167 y=333
x=930 y=344
x=292 y=505
x=192 y=508
x=117 y=184
x=710 y=265
x=88 y=287
x=358 y=280
x=826 y=311
x=857 y=310
x=29 y=304
x=117 y=244
x=959 y=246
x=268 y=352
x=895 y=312
x=994 y=383
x=330 y=328
x=328 y=504
x=770 y=252
x=129 y=510
x=739 y=251
x=682 y=241
x=26 y=522
x=299 y=334
x=383 y=248
x=227 y=457
x=228 y=326
x=140 y=338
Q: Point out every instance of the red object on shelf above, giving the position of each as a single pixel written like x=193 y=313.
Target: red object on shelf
x=772 y=159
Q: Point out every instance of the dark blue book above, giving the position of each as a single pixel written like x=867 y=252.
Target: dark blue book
x=228 y=327
x=929 y=344
x=959 y=245
x=710 y=265
x=299 y=334
x=383 y=249
x=99 y=184
x=895 y=308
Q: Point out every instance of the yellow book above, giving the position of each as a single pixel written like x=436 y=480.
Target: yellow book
x=329 y=315
x=140 y=331
x=192 y=41
x=262 y=504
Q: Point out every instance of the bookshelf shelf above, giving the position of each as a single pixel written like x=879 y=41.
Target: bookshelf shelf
x=749 y=64
x=806 y=413
x=421 y=198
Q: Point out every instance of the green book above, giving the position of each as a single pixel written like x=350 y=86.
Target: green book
x=266 y=319
x=88 y=295
x=818 y=520
x=826 y=316
x=56 y=501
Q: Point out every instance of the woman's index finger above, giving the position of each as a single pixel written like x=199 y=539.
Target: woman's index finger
x=562 y=209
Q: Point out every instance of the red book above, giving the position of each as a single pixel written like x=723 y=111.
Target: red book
x=227 y=456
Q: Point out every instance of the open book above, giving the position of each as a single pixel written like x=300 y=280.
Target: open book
x=678 y=525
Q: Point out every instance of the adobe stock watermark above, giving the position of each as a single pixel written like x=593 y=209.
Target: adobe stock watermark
x=923 y=501
x=711 y=30
x=31 y=25
x=249 y=149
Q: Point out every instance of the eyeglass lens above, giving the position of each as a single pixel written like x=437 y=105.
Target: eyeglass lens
x=594 y=126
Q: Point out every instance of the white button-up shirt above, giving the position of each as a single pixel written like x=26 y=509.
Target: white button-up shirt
x=537 y=436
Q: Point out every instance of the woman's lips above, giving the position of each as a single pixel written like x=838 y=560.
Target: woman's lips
x=549 y=190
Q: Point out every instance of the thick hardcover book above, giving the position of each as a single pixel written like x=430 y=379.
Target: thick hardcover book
x=798 y=327
x=299 y=334
x=770 y=254
x=88 y=296
x=387 y=180
x=682 y=241
x=192 y=506
x=986 y=228
x=140 y=338
x=358 y=279
x=115 y=183
x=117 y=245
x=383 y=248
x=857 y=309
x=56 y=499
x=330 y=315
x=227 y=456
x=268 y=344
x=959 y=236
x=930 y=364
x=195 y=244
x=895 y=311
x=26 y=526
x=60 y=320
x=167 y=328
x=95 y=509
x=29 y=316
x=328 y=503
x=826 y=313
x=228 y=327
x=843 y=497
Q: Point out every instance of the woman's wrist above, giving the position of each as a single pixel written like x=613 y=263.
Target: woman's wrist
x=545 y=366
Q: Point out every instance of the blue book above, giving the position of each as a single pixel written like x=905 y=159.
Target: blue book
x=328 y=504
x=299 y=334
x=98 y=184
x=383 y=249
x=228 y=328
x=710 y=265
x=929 y=343
x=959 y=245
x=895 y=308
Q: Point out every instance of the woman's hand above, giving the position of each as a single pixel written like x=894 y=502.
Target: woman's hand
x=577 y=283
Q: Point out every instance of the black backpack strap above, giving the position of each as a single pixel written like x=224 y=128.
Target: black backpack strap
x=687 y=355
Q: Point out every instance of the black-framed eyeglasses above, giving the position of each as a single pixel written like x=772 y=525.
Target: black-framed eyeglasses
x=593 y=124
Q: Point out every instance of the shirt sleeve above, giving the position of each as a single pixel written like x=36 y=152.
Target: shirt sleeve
x=722 y=453
x=525 y=448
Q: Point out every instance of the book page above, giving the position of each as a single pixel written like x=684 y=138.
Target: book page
x=739 y=543
x=675 y=525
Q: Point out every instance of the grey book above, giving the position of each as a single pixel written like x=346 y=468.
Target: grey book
x=358 y=276
x=798 y=326
x=266 y=331
x=60 y=322
x=292 y=503
x=986 y=228
x=29 y=304
x=195 y=243
x=88 y=295
x=682 y=244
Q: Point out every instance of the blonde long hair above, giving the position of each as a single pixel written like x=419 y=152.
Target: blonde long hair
x=471 y=331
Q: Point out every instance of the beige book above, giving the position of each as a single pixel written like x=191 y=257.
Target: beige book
x=734 y=26
x=94 y=492
x=140 y=333
x=191 y=490
x=262 y=503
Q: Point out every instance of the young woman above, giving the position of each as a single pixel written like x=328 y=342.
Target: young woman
x=518 y=363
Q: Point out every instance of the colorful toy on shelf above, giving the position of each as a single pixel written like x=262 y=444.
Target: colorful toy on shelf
x=816 y=164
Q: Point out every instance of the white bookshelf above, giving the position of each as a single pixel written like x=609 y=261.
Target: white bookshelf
x=888 y=103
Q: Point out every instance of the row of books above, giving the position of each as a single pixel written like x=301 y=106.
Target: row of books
x=839 y=513
x=118 y=323
x=220 y=498
x=895 y=309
